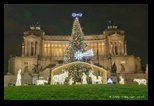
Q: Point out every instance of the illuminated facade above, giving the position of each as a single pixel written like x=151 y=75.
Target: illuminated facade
x=108 y=48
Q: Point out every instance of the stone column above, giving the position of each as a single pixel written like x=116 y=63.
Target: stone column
x=114 y=48
x=30 y=48
x=111 y=49
x=50 y=49
x=62 y=50
x=54 y=49
x=38 y=51
x=25 y=48
x=118 y=48
x=34 y=48
x=43 y=49
x=95 y=48
x=98 y=48
x=59 y=53
x=46 y=49
x=103 y=47
x=125 y=49
x=57 y=50
x=122 y=47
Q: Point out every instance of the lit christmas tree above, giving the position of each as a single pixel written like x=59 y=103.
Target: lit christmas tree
x=76 y=44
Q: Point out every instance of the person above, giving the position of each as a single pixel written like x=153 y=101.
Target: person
x=18 y=81
x=84 y=81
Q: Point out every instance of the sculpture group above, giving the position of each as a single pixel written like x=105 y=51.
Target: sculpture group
x=139 y=81
x=60 y=79
x=94 y=78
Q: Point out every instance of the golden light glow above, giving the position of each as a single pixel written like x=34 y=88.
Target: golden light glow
x=48 y=45
x=45 y=45
x=123 y=62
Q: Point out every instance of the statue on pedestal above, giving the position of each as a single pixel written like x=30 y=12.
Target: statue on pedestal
x=18 y=81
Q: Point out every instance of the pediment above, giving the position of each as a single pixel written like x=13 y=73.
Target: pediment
x=116 y=35
x=32 y=37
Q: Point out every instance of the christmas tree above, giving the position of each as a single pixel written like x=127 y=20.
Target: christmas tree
x=76 y=43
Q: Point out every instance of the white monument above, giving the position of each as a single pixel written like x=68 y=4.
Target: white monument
x=41 y=82
x=84 y=81
x=121 y=80
x=18 y=81
x=140 y=81
x=60 y=79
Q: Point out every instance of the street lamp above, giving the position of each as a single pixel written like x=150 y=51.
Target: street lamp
x=50 y=73
x=110 y=59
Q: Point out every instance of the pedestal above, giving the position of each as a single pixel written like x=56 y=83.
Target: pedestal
x=114 y=78
x=34 y=78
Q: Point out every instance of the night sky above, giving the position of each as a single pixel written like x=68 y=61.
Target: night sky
x=56 y=19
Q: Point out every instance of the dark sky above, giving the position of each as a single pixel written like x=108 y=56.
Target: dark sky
x=56 y=19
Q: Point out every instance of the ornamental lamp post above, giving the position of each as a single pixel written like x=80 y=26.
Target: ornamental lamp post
x=49 y=82
x=110 y=59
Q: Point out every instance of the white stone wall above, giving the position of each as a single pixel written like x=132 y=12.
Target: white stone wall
x=11 y=65
x=130 y=64
x=18 y=63
x=9 y=79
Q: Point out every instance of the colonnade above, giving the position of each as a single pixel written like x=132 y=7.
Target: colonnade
x=30 y=48
x=58 y=49
x=55 y=49
x=98 y=48
x=118 y=48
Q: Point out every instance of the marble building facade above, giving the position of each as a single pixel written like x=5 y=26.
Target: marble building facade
x=109 y=47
